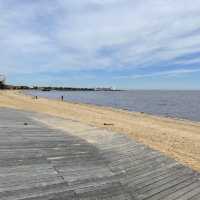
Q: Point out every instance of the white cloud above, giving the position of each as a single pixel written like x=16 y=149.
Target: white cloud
x=90 y=34
x=170 y=73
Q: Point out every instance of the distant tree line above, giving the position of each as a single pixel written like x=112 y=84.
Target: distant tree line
x=68 y=89
x=48 y=88
x=2 y=86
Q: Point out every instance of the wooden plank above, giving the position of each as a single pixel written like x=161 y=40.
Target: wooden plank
x=39 y=163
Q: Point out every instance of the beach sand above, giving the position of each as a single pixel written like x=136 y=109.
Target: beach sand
x=179 y=139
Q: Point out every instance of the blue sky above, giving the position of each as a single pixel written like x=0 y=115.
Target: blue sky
x=145 y=44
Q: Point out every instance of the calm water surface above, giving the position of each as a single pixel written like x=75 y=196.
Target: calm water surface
x=178 y=104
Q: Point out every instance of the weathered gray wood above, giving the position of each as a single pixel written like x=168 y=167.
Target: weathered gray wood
x=39 y=163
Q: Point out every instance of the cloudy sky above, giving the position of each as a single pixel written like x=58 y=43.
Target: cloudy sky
x=148 y=44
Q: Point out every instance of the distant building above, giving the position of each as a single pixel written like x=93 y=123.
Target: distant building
x=104 y=89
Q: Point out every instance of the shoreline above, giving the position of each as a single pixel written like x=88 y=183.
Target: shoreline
x=119 y=109
x=177 y=138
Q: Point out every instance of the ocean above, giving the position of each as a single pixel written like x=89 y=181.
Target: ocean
x=175 y=104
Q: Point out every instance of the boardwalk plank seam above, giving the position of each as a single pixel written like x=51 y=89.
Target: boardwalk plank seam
x=40 y=163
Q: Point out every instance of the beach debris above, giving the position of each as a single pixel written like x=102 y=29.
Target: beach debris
x=25 y=124
x=108 y=124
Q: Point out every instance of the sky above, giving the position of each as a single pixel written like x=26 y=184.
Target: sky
x=126 y=44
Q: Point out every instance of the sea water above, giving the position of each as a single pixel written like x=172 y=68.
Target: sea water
x=176 y=104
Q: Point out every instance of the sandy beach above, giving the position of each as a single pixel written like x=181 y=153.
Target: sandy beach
x=179 y=139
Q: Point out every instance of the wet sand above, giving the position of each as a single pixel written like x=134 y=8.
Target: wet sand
x=179 y=139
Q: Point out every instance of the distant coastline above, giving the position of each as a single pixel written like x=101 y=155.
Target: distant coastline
x=58 y=88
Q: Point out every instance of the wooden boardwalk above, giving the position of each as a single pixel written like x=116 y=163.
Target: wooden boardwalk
x=40 y=163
